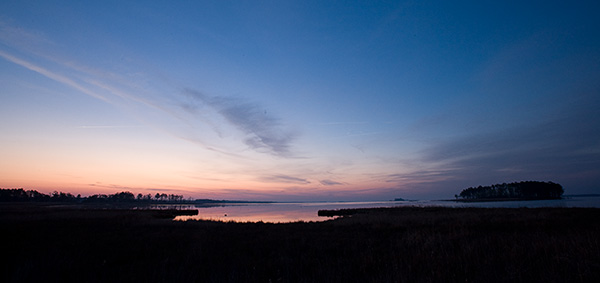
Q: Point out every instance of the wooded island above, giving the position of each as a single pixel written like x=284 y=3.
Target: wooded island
x=527 y=190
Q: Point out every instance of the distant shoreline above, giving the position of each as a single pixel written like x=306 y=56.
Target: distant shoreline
x=564 y=197
x=499 y=199
x=581 y=196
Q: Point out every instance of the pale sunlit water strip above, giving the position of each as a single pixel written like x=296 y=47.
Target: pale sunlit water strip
x=307 y=211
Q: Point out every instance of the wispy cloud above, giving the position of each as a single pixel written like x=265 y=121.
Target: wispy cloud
x=263 y=131
x=280 y=178
x=260 y=131
x=22 y=38
x=420 y=176
x=330 y=183
x=111 y=186
x=557 y=149
x=52 y=75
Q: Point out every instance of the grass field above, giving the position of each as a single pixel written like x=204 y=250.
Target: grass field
x=406 y=244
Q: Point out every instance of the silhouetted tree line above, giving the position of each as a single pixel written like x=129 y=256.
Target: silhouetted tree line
x=521 y=190
x=21 y=195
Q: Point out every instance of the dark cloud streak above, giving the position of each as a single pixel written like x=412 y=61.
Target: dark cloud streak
x=280 y=178
x=264 y=133
x=562 y=149
x=330 y=183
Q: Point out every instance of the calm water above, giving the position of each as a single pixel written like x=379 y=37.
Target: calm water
x=307 y=211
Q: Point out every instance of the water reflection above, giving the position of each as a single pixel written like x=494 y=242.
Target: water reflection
x=307 y=211
x=277 y=212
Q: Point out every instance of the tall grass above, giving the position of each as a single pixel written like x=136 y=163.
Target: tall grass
x=380 y=245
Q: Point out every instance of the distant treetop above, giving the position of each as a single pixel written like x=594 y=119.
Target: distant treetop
x=21 y=195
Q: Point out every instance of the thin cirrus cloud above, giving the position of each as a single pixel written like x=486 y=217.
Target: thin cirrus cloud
x=420 y=176
x=330 y=183
x=281 y=178
x=563 y=146
x=558 y=148
x=54 y=76
x=263 y=132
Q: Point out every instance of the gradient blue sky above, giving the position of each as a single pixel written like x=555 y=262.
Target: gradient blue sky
x=298 y=100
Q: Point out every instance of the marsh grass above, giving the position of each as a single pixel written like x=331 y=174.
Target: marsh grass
x=407 y=244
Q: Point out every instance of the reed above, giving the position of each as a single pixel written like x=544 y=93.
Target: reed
x=409 y=244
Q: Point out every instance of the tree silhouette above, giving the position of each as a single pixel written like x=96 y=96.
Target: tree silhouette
x=21 y=195
x=520 y=190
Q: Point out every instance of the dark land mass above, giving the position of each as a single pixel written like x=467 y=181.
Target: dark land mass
x=526 y=190
x=408 y=244
x=119 y=200
x=493 y=199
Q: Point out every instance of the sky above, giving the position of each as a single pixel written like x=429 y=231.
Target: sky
x=298 y=100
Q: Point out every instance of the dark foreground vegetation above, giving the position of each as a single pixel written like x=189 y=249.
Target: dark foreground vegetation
x=49 y=243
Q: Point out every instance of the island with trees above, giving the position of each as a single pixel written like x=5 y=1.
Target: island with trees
x=526 y=190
